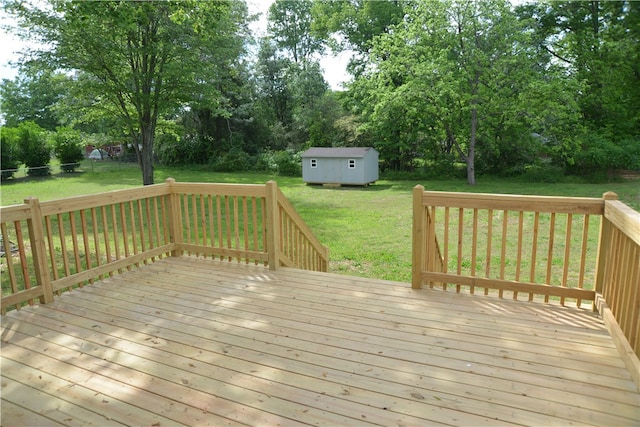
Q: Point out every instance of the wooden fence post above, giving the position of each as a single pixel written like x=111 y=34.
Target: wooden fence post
x=273 y=225
x=417 y=252
x=175 y=228
x=38 y=250
x=604 y=246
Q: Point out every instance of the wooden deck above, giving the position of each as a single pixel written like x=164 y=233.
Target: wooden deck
x=187 y=341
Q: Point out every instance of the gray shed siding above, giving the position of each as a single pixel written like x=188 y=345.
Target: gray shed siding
x=353 y=165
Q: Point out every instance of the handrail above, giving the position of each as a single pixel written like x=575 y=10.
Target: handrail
x=617 y=282
x=537 y=246
x=298 y=246
x=60 y=244
x=542 y=247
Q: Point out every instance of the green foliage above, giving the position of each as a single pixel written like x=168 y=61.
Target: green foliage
x=9 y=152
x=527 y=91
x=289 y=23
x=281 y=162
x=33 y=96
x=542 y=172
x=358 y=23
x=34 y=151
x=601 y=154
x=598 y=45
x=232 y=161
x=142 y=59
x=68 y=148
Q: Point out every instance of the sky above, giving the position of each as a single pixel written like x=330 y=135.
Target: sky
x=334 y=66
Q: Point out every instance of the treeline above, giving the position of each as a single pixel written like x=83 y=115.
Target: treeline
x=444 y=87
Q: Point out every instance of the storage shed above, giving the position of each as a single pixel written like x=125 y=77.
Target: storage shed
x=340 y=165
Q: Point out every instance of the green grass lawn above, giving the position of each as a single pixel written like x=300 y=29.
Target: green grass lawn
x=367 y=230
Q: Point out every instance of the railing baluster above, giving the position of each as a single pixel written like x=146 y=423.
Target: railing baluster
x=85 y=241
x=63 y=245
x=115 y=233
x=147 y=208
x=212 y=232
x=195 y=237
x=534 y=250
x=245 y=226
x=220 y=232
x=203 y=221
x=567 y=253
x=460 y=245
x=96 y=237
x=487 y=261
x=503 y=249
x=125 y=233
x=106 y=237
x=236 y=225
x=186 y=219
x=552 y=231
x=583 y=255
x=48 y=227
x=140 y=220
x=254 y=212
x=474 y=248
x=228 y=222
x=519 y=253
x=134 y=230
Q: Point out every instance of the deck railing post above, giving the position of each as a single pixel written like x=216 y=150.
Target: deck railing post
x=417 y=252
x=38 y=250
x=175 y=228
x=273 y=228
x=604 y=246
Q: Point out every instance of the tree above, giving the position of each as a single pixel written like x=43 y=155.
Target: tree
x=9 y=152
x=273 y=76
x=32 y=96
x=33 y=150
x=144 y=59
x=67 y=147
x=290 y=27
x=356 y=23
x=289 y=74
x=598 y=44
x=448 y=81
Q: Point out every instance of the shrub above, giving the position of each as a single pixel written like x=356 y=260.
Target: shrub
x=9 y=153
x=283 y=162
x=67 y=146
x=543 y=172
x=33 y=149
x=232 y=161
x=601 y=154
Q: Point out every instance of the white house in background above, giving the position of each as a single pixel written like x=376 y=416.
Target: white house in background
x=340 y=165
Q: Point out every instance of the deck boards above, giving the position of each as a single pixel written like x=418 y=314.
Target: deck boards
x=188 y=341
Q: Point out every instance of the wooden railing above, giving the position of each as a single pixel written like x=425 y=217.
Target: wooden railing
x=617 y=282
x=56 y=245
x=536 y=247
x=298 y=245
x=552 y=249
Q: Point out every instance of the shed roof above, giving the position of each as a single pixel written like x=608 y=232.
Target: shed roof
x=337 y=152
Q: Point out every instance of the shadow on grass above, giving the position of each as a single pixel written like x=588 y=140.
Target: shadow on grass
x=345 y=187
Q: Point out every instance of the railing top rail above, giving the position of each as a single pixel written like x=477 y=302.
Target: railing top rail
x=560 y=204
x=90 y=201
x=206 y=188
x=15 y=212
x=624 y=218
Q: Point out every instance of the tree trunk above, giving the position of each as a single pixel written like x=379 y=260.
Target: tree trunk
x=146 y=155
x=471 y=155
